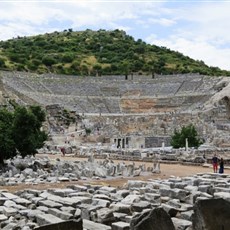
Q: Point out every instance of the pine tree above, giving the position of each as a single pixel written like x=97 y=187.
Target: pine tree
x=187 y=132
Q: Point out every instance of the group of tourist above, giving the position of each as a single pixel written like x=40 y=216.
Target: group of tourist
x=215 y=162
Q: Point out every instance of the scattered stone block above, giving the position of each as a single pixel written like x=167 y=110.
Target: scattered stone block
x=120 y=226
x=9 y=226
x=119 y=207
x=61 y=192
x=49 y=204
x=101 y=202
x=187 y=215
x=3 y=217
x=156 y=219
x=22 y=201
x=31 y=214
x=3 y=200
x=174 y=193
x=181 y=224
x=68 y=209
x=140 y=206
x=105 y=216
x=224 y=195
x=9 y=211
x=9 y=196
x=130 y=199
x=90 y=225
x=43 y=219
x=170 y=210
x=60 y=214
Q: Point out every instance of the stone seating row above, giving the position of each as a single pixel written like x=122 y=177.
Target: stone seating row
x=93 y=86
x=111 y=89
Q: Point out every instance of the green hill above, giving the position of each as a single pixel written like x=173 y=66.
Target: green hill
x=95 y=53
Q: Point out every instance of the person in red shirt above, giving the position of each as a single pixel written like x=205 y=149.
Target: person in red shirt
x=215 y=163
x=63 y=151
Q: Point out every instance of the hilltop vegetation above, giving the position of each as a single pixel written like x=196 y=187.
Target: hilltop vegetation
x=95 y=53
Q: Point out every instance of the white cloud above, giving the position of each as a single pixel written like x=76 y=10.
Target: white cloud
x=197 y=29
x=201 y=33
x=196 y=49
x=162 y=21
x=103 y=14
x=77 y=14
x=209 y=20
x=26 y=18
x=31 y=12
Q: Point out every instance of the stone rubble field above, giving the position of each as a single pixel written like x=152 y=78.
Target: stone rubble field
x=32 y=170
x=195 y=202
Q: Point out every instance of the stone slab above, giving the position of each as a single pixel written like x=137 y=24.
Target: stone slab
x=90 y=225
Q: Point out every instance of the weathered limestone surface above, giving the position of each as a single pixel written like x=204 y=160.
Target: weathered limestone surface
x=120 y=226
x=156 y=219
x=90 y=225
x=211 y=214
x=43 y=219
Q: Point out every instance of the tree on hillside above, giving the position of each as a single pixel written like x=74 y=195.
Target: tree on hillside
x=20 y=131
x=187 y=132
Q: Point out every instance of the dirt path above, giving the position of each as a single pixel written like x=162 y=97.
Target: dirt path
x=167 y=170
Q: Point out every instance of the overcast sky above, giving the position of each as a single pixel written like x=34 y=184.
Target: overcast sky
x=198 y=29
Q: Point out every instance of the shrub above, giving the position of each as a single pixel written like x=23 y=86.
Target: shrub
x=48 y=61
x=187 y=132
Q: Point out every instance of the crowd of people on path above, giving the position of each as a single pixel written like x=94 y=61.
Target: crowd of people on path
x=218 y=161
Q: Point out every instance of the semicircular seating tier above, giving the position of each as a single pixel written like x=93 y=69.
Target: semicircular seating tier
x=113 y=94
